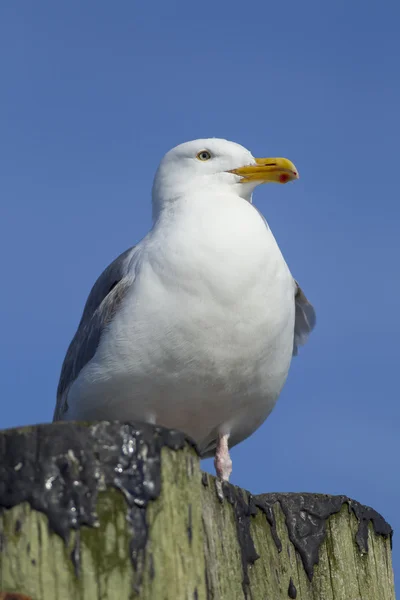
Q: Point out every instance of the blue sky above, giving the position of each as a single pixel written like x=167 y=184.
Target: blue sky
x=94 y=93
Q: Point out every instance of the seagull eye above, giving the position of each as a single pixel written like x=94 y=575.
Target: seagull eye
x=203 y=155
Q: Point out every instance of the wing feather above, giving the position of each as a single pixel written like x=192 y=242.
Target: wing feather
x=305 y=319
x=101 y=305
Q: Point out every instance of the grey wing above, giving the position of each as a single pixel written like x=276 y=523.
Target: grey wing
x=101 y=305
x=305 y=319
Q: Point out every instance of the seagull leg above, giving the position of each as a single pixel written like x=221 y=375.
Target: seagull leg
x=222 y=461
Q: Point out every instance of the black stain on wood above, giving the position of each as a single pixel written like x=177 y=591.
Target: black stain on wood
x=365 y=515
x=243 y=511
x=190 y=524
x=306 y=516
x=292 y=592
x=17 y=527
x=210 y=595
x=268 y=510
x=64 y=466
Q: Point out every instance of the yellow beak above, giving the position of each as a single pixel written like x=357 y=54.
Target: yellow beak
x=279 y=170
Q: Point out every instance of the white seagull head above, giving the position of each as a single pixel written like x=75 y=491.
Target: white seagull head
x=215 y=165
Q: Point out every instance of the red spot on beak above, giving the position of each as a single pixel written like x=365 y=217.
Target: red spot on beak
x=284 y=178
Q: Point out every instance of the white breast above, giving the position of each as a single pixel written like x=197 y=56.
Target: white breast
x=204 y=339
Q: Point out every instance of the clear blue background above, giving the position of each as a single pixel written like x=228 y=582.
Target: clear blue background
x=93 y=93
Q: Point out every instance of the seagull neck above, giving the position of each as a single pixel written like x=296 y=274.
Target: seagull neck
x=207 y=199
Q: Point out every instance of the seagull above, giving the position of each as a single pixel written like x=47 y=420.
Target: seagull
x=194 y=328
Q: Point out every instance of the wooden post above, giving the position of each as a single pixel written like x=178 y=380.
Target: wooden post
x=109 y=510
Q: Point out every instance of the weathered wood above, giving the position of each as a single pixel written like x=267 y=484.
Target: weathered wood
x=122 y=511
